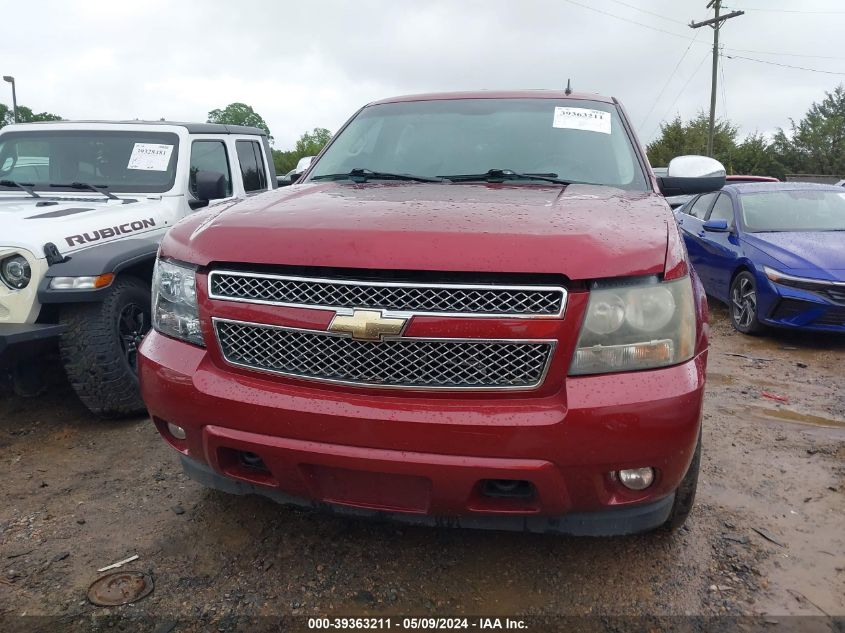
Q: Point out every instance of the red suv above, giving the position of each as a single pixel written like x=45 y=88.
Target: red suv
x=472 y=309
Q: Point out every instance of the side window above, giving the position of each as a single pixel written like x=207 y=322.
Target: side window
x=698 y=209
x=252 y=166
x=209 y=156
x=723 y=209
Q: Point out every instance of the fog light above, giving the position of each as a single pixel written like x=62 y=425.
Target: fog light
x=636 y=478
x=176 y=431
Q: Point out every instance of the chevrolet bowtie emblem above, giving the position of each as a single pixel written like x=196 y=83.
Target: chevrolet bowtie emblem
x=367 y=325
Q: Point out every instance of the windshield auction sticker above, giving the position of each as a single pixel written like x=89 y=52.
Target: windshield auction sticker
x=582 y=119
x=150 y=157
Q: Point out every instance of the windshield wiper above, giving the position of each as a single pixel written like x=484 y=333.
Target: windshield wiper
x=26 y=186
x=84 y=185
x=501 y=175
x=363 y=175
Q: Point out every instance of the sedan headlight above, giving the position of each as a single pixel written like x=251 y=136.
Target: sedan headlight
x=175 y=311
x=15 y=272
x=638 y=325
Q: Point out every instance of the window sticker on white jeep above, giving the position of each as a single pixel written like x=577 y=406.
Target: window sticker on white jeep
x=582 y=119
x=150 y=157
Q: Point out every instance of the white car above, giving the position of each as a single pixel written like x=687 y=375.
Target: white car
x=83 y=206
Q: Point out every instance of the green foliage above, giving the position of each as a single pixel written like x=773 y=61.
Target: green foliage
x=679 y=138
x=239 y=114
x=309 y=144
x=814 y=145
x=25 y=115
x=755 y=156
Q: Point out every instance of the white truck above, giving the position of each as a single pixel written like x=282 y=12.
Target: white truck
x=83 y=206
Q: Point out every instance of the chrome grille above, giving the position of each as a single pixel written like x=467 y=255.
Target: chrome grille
x=401 y=362
x=422 y=298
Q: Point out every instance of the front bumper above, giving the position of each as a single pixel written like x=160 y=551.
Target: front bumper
x=17 y=340
x=613 y=522
x=425 y=457
x=797 y=308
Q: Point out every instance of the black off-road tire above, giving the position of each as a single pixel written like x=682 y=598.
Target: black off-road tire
x=93 y=351
x=685 y=494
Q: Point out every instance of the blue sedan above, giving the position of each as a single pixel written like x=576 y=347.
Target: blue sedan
x=774 y=252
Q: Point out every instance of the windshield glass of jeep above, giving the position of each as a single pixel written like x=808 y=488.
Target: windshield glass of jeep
x=569 y=139
x=129 y=162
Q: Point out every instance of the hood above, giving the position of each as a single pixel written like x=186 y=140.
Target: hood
x=74 y=223
x=582 y=231
x=814 y=254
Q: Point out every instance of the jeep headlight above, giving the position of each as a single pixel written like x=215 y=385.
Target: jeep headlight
x=175 y=311
x=15 y=272
x=641 y=324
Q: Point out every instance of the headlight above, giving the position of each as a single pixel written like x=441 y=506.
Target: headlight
x=642 y=325
x=175 y=311
x=81 y=283
x=15 y=272
x=805 y=283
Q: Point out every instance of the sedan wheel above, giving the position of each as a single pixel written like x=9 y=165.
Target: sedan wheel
x=744 y=304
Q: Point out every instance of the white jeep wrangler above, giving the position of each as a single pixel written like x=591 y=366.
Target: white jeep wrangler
x=83 y=206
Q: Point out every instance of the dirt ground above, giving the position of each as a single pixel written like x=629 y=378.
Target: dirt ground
x=766 y=538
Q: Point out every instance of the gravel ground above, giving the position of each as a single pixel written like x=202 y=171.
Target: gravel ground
x=765 y=541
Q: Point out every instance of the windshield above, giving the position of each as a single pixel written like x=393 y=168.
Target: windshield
x=139 y=162
x=573 y=140
x=799 y=210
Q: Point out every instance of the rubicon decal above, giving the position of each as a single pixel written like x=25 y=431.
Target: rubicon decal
x=109 y=231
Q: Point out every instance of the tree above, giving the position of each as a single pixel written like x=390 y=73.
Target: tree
x=25 y=115
x=816 y=144
x=756 y=156
x=239 y=114
x=678 y=138
x=309 y=144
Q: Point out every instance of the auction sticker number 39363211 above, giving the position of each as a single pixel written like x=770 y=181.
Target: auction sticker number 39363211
x=582 y=119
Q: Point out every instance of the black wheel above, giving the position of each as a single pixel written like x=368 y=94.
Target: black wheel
x=743 y=306
x=99 y=348
x=685 y=494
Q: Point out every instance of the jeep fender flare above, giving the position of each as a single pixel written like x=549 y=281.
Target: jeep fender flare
x=113 y=257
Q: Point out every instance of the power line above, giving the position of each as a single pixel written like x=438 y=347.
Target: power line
x=690 y=39
x=768 y=10
x=680 y=92
x=657 y=15
x=747 y=50
x=619 y=17
x=668 y=80
x=763 y=61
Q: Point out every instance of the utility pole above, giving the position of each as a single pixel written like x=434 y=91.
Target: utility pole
x=715 y=23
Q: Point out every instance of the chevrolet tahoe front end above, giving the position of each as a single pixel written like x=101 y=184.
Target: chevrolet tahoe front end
x=522 y=347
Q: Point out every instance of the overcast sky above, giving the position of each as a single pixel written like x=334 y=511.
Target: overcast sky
x=312 y=64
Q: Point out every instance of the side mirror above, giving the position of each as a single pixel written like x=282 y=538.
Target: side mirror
x=211 y=185
x=301 y=167
x=688 y=175
x=303 y=164
x=717 y=226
